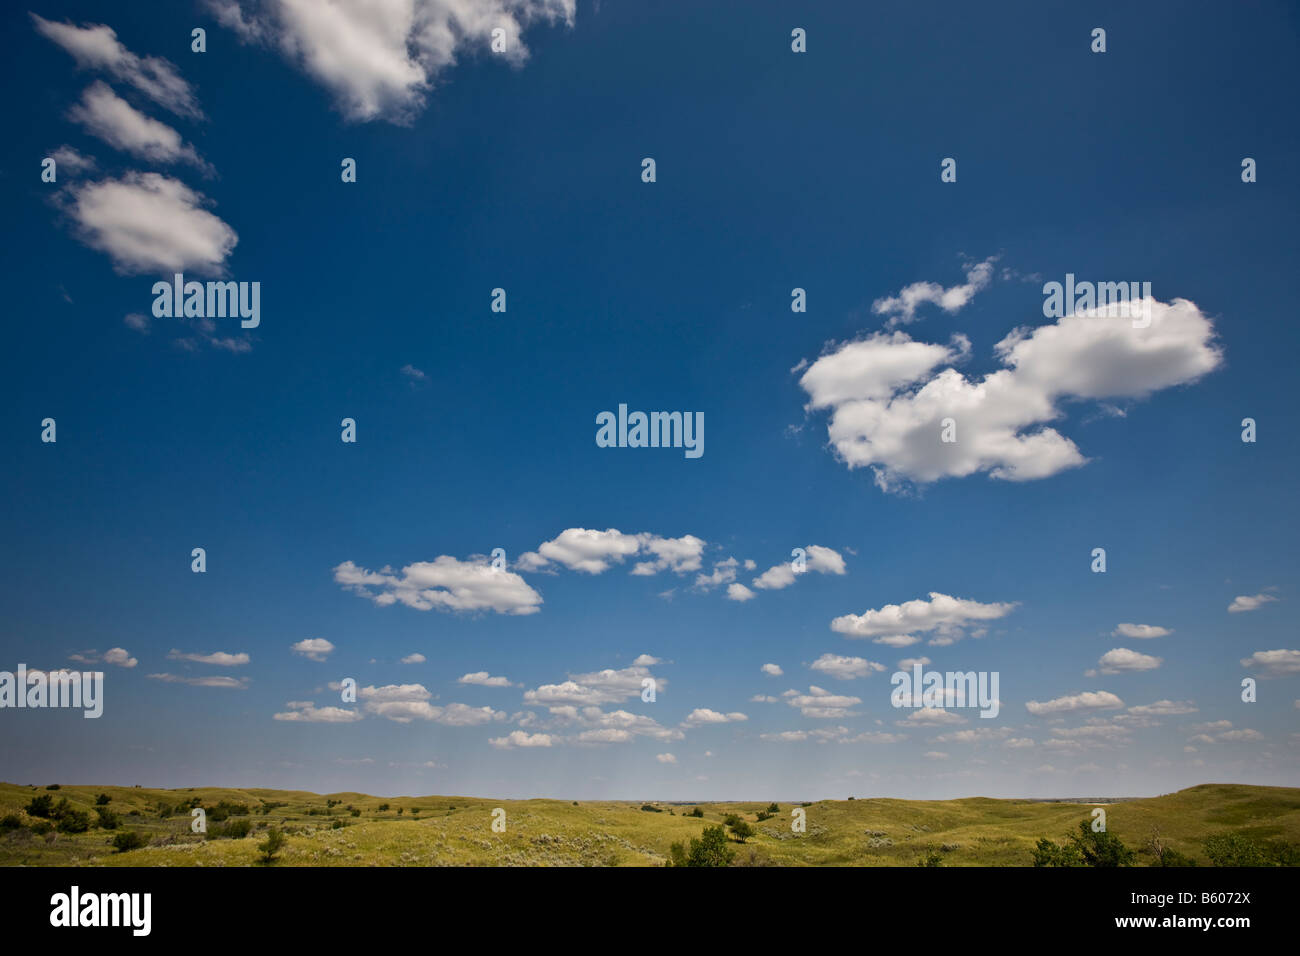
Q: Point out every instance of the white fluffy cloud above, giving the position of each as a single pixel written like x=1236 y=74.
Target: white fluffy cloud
x=379 y=58
x=483 y=679
x=96 y=47
x=822 y=704
x=103 y=113
x=309 y=713
x=1249 y=602
x=1088 y=700
x=599 y=687
x=1164 y=708
x=232 y=683
x=897 y=624
x=845 y=668
x=1141 y=631
x=313 y=648
x=594 y=552
x=147 y=222
x=887 y=401
x=772 y=670
x=738 y=592
x=701 y=716
x=901 y=308
x=114 y=655
x=518 y=738
x=816 y=558
x=1120 y=659
x=445 y=583
x=1279 y=663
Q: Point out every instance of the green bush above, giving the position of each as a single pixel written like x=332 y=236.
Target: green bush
x=356 y=813
x=41 y=806
x=103 y=800
x=650 y=809
x=11 y=821
x=742 y=830
x=697 y=812
x=125 y=840
x=108 y=820
x=1233 y=849
x=53 y=786
x=74 y=821
x=272 y=845
x=1085 y=848
x=232 y=830
x=772 y=808
x=711 y=849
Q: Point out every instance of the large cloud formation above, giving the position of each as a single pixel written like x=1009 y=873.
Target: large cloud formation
x=889 y=395
x=380 y=57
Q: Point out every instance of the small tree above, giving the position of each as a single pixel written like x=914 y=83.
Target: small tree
x=711 y=849
x=272 y=845
x=108 y=820
x=1233 y=849
x=773 y=808
x=742 y=830
x=125 y=840
x=103 y=800
x=41 y=806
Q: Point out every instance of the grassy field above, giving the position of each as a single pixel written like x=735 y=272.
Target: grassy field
x=353 y=829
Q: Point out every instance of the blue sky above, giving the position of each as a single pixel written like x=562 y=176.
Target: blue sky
x=476 y=430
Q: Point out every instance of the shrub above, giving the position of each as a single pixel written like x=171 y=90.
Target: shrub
x=42 y=827
x=649 y=809
x=231 y=830
x=103 y=800
x=74 y=821
x=125 y=840
x=742 y=830
x=53 y=786
x=108 y=820
x=1282 y=853
x=384 y=806
x=1233 y=849
x=697 y=812
x=773 y=808
x=730 y=820
x=711 y=849
x=930 y=857
x=272 y=845
x=1085 y=848
x=11 y=821
x=356 y=813
x=41 y=806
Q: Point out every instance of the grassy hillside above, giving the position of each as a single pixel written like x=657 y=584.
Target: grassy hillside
x=351 y=829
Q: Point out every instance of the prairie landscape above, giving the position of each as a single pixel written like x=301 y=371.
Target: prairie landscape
x=132 y=826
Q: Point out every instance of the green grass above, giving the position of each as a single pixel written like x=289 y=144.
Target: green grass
x=456 y=831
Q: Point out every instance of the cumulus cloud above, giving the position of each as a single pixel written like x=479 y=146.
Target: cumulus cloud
x=483 y=679
x=379 y=58
x=404 y=703
x=220 y=658
x=599 y=687
x=1249 y=602
x=518 y=738
x=1088 y=700
x=68 y=160
x=901 y=308
x=702 y=715
x=738 y=592
x=96 y=47
x=897 y=624
x=1141 y=631
x=821 y=704
x=149 y=223
x=445 y=583
x=772 y=670
x=313 y=648
x=1279 y=663
x=845 y=668
x=594 y=552
x=1120 y=659
x=414 y=659
x=888 y=397
x=816 y=558
x=103 y=113
x=306 y=712
x=116 y=656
